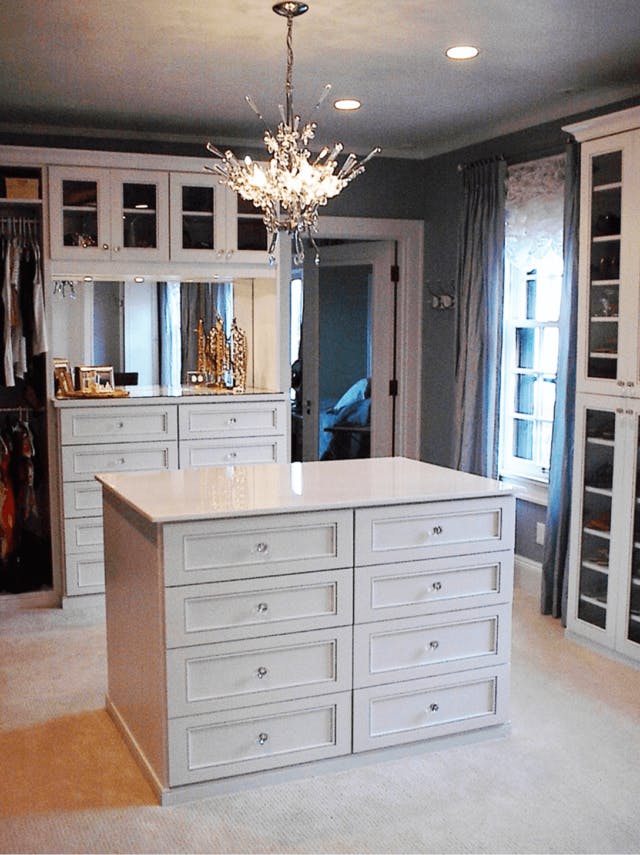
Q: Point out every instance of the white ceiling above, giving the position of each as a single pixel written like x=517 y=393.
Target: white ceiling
x=180 y=69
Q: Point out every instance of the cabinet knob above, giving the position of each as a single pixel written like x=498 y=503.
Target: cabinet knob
x=105 y=246
x=262 y=672
x=437 y=529
x=120 y=425
x=228 y=253
x=116 y=249
x=120 y=461
x=231 y=420
x=433 y=708
x=232 y=455
x=261 y=548
x=434 y=645
x=262 y=608
x=629 y=412
x=262 y=738
x=630 y=383
x=619 y=410
x=437 y=586
x=620 y=382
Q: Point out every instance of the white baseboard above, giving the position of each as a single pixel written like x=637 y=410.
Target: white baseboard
x=527 y=575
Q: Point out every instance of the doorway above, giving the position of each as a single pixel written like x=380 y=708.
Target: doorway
x=342 y=377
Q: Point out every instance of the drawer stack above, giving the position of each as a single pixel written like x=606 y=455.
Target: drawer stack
x=258 y=625
x=99 y=439
x=227 y=434
x=433 y=588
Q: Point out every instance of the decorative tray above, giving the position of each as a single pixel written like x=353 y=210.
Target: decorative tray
x=112 y=393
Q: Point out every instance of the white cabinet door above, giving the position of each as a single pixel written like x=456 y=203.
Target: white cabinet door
x=608 y=357
x=139 y=215
x=80 y=213
x=198 y=217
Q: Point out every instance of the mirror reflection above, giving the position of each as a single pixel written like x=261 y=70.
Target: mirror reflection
x=148 y=330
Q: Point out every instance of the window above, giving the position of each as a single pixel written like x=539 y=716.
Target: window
x=533 y=278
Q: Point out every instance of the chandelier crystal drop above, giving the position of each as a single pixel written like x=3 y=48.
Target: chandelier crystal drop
x=295 y=183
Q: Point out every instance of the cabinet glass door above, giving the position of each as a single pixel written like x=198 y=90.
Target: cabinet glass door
x=631 y=607
x=593 y=598
x=140 y=210
x=604 y=283
x=197 y=218
x=79 y=207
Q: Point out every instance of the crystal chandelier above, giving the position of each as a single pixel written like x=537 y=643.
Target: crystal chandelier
x=293 y=185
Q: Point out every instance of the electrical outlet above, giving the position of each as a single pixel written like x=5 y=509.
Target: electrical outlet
x=540 y=533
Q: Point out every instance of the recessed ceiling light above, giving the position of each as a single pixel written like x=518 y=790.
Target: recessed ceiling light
x=462 y=52
x=347 y=104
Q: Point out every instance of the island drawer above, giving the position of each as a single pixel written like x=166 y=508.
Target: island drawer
x=246 y=547
x=422 y=709
x=99 y=424
x=410 y=648
x=238 y=451
x=209 y=678
x=219 y=745
x=83 y=533
x=411 y=532
x=249 y=608
x=387 y=591
x=202 y=421
x=82 y=462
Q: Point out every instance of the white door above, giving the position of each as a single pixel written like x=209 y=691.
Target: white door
x=373 y=259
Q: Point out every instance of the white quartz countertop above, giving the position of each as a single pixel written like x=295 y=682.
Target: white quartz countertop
x=212 y=492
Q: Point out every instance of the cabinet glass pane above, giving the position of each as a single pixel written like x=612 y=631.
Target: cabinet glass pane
x=139 y=215
x=197 y=217
x=634 y=586
x=79 y=214
x=252 y=232
x=606 y=175
x=596 y=517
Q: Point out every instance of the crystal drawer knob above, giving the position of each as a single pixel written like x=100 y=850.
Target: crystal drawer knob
x=120 y=425
x=262 y=672
x=262 y=608
x=261 y=548
x=231 y=420
x=232 y=455
x=105 y=246
x=437 y=529
x=434 y=645
x=437 y=586
x=433 y=707
x=262 y=738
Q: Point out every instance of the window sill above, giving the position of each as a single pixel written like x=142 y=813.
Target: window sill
x=527 y=489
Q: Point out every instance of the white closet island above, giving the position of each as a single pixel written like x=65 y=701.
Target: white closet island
x=265 y=620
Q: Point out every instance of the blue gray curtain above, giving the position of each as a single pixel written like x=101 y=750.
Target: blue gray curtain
x=554 y=566
x=480 y=289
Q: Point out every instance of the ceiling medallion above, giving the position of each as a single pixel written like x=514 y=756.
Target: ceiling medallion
x=294 y=184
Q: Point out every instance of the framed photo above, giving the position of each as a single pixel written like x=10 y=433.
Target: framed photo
x=62 y=376
x=95 y=378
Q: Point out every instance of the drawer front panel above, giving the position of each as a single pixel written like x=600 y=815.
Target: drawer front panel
x=214 y=677
x=84 y=573
x=249 y=740
x=198 y=421
x=231 y=451
x=82 y=462
x=238 y=548
x=82 y=499
x=387 y=591
x=223 y=611
x=410 y=532
x=82 y=534
x=420 y=647
x=422 y=709
x=118 y=424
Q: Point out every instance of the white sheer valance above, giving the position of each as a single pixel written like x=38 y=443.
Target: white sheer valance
x=534 y=210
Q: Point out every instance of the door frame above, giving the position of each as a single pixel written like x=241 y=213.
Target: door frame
x=409 y=237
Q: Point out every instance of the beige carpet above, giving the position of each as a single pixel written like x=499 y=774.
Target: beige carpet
x=566 y=779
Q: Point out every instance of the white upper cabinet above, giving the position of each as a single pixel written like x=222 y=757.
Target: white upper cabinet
x=609 y=327
x=108 y=214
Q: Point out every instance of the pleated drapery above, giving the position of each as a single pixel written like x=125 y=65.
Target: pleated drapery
x=479 y=309
x=553 y=598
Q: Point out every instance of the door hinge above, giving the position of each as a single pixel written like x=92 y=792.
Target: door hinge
x=394 y=273
x=393 y=388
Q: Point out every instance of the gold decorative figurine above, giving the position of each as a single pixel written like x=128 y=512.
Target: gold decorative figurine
x=222 y=359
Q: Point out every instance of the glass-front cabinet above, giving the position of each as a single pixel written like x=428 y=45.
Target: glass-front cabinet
x=609 y=267
x=604 y=595
x=108 y=214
